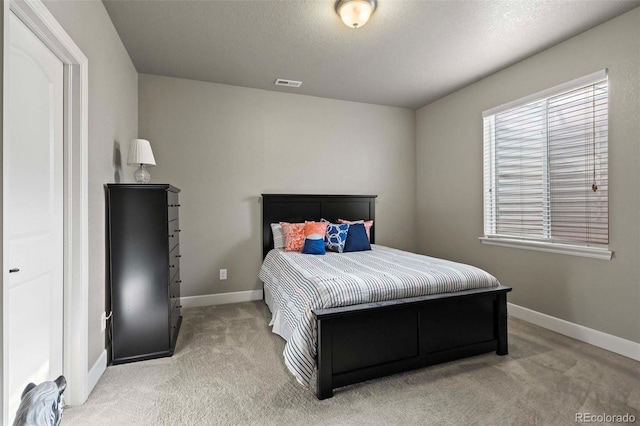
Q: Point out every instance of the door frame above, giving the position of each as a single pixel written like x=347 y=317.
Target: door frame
x=75 y=199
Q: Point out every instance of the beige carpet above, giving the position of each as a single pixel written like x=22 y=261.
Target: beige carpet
x=228 y=369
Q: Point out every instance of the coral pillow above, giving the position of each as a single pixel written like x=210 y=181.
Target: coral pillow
x=315 y=228
x=367 y=225
x=314 y=233
x=293 y=236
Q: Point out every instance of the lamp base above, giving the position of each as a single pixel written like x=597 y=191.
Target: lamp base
x=142 y=175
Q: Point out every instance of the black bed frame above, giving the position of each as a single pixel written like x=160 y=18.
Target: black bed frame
x=362 y=342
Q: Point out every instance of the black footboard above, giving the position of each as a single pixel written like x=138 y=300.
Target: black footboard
x=362 y=342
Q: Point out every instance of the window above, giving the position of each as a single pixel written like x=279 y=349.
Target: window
x=545 y=170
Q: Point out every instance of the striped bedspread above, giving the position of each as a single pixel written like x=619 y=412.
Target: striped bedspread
x=299 y=283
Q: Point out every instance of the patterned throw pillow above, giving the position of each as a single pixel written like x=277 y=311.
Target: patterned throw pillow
x=278 y=236
x=293 y=236
x=336 y=236
x=367 y=225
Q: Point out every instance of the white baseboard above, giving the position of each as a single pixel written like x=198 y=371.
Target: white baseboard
x=579 y=332
x=97 y=371
x=220 y=298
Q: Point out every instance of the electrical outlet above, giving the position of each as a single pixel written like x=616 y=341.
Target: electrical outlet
x=223 y=274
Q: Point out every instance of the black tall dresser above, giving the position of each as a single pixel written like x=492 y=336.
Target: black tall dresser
x=144 y=270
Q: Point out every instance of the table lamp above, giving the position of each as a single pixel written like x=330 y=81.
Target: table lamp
x=140 y=153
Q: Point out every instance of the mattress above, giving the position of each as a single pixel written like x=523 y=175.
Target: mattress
x=295 y=284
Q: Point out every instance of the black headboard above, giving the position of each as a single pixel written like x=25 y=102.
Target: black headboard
x=298 y=208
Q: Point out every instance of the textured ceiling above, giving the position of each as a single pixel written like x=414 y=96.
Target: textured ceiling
x=409 y=54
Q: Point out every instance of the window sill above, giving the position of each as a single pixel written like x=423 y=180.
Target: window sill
x=591 y=252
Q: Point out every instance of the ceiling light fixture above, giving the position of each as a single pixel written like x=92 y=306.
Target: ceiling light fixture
x=355 y=13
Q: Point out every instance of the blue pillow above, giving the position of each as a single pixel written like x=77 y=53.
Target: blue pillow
x=313 y=246
x=357 y=239
x=336 y=236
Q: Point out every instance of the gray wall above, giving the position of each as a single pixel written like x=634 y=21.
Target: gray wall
x=225 y=145
x=604 y=295
x=113 y=122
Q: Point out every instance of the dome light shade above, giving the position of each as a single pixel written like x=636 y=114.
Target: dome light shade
x=355 y=13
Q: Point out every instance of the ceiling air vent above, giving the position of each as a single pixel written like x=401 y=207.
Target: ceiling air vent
x=288 y=83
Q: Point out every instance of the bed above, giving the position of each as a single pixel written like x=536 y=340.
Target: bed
x=361 y=341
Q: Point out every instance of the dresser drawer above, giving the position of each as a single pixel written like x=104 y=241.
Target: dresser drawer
x=173 y=322
x=174 y=291
x=174 y=302
x=173 y=205
x=173 y=230
x=174 y=262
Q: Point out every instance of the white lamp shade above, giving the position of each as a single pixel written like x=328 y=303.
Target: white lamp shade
x=355 y=13
x=140 y=153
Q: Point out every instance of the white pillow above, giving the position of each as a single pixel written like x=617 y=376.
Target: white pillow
x=278 y=236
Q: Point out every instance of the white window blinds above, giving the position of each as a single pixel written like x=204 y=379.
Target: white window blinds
x=545 y=165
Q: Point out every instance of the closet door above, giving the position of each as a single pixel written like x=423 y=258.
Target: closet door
x=33 y=209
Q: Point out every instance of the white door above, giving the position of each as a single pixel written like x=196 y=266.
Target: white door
x=33 y=209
